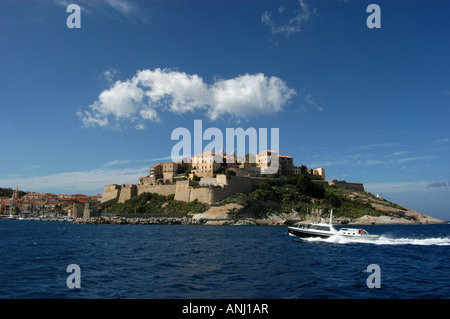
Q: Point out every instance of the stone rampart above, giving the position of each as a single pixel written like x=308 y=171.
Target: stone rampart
x=121 y=193
x=157 y=189
x=183 y=190
x=127 y=192
x=202 y=194
x=111 y=191
x=341 y=184
x=246 y=171
x=353 y=186
x=206 y=192
x=189 y=191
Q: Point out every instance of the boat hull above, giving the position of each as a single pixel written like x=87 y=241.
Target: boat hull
x=302 y=233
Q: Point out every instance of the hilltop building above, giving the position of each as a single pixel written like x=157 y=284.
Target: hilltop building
x=206 y=164
x=205 y=176
x=286 y=165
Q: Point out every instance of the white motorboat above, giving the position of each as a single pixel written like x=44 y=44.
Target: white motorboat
x=326 y=230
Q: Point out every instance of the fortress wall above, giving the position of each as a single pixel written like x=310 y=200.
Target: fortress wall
x=341 y=184
x=202 y=194
x=246 y=171
x=183 y=190
x=157 y=189
x=236 y=184
x=186 y=190
x=111 y=191
x=127 y=192
x=353 y=186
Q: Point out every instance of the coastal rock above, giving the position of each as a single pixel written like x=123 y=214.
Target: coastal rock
x=382 y=220
x=395 y=220
x=216 y=213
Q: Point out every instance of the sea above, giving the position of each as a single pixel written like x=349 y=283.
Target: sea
x=61 y=260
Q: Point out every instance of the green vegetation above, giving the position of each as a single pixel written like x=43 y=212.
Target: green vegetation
x=301 y=195
x=155 y=204
x=343 y=205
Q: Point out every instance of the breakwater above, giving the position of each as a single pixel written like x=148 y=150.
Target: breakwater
x=121 y=220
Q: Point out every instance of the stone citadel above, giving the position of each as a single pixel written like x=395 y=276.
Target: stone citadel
x=209 y=177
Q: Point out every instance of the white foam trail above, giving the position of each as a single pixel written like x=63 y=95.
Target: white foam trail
x=438 y=241
x=384 y=240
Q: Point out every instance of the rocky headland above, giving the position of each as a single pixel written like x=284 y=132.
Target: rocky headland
x=273 y=203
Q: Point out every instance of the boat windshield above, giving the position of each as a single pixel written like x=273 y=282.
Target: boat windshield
x=320 y=227
x=314 y=227
x=303 y=226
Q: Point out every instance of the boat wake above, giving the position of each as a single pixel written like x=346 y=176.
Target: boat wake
x=383 y=240
x=438 y=241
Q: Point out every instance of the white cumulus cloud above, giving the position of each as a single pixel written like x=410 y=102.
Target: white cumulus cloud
x=248 y=95
x=149 y=92
x=122 y=100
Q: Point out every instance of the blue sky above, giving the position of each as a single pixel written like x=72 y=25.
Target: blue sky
x=82 y=108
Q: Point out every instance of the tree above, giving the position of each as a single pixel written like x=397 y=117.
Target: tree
x=306 y=186
x=332 y=199
x=303 y=169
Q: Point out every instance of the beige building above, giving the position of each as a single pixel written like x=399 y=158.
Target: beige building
x=285 y=163
x=206 y=164
x=169 y=171
x=156 y=171
x=264 y=158
x=318 y=172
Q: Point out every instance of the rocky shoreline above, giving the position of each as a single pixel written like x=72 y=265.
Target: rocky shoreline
x=229 y=214
x=120 y=220
x=226 y=215
x=272 y=221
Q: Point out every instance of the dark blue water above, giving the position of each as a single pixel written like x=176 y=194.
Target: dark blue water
x=159 y=262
